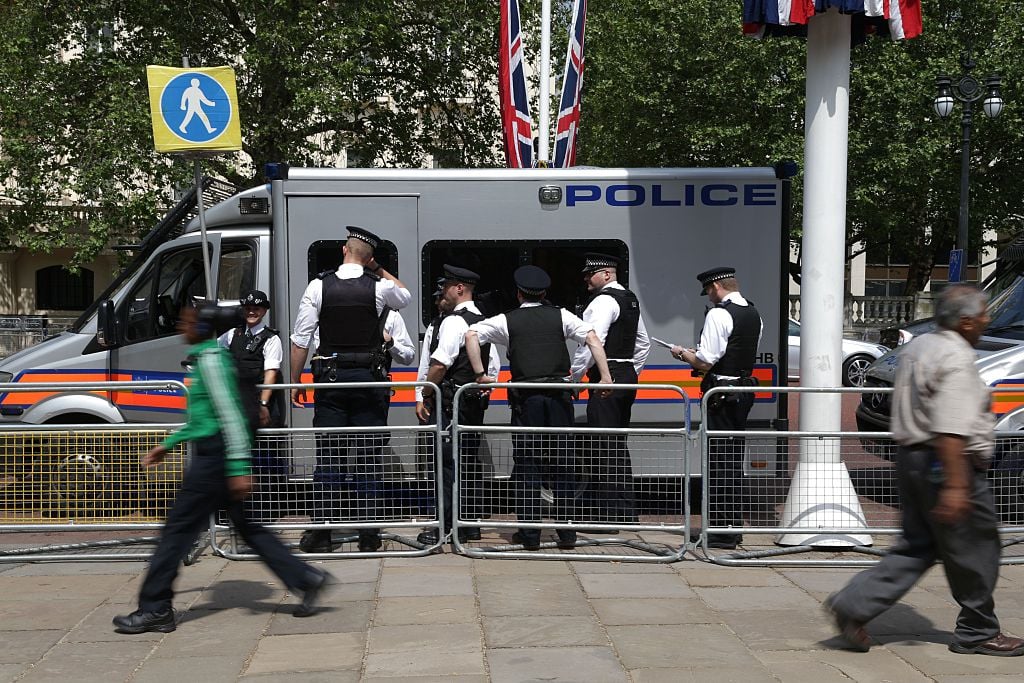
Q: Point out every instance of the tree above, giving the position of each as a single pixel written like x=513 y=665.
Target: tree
x=678 y=82
x=389 y=81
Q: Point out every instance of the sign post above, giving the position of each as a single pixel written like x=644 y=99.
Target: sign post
x=194 y=112
x=956 y=265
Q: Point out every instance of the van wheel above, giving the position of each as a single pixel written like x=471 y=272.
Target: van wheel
x=86 y=477
x=854 y=369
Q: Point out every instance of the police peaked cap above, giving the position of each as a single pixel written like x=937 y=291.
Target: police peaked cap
x=364 y=235
x=531 y=280
x=255 y=298
x=439 y=288
x=595 y=262
x=456 y=274
x=714 y=275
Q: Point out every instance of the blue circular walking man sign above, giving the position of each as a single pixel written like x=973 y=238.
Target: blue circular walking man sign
x=195 y=107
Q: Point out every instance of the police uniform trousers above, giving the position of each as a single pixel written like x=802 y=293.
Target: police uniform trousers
x=969 y=551
x=348 y=479
x=270 y=470
x=204 y=491
x=471 y=412
x=543 y=459
x=725 y=459
x=610 y=496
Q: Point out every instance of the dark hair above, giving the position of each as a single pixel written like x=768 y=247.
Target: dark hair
x=213 y=320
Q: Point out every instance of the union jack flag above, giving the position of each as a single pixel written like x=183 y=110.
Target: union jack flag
x=567 y=129
x=898 y=19
x=516 y=124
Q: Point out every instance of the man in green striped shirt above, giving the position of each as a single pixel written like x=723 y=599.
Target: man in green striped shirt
x=218 y=477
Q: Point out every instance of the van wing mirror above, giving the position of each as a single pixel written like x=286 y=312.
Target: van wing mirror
x=106 y=325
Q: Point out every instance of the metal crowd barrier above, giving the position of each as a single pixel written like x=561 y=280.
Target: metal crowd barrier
x=569 y=479
x=864 y=489
x=347 y=479
x=84 y=478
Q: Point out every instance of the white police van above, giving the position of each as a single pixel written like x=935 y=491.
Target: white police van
x=665 y=224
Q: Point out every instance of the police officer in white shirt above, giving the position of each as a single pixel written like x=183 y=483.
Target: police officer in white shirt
x=725 y=354
x=534 y=335
x=449 y=368
x=347 y=305
x=614 y=311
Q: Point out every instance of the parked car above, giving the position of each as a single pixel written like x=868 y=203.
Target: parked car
x=857 y=356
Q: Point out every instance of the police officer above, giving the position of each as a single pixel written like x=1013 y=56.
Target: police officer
x=425 y=407
x=347 y=304
x=614 y=313
x=257 y=351
x=725 y=354
x=449 y=368
x=534 y=335
x=397 y=344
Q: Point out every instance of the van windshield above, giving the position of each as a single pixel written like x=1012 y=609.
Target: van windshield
x=1006 y=307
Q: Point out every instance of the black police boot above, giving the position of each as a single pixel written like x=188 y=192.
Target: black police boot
x=143 y=622
x=529 y=542
x=724 y=541
x=369 y=541
x=469 y=533
x=316 y=541
x=566 y=539
x=427 y=537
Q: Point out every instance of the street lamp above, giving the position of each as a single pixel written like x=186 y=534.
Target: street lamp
x=968 y=90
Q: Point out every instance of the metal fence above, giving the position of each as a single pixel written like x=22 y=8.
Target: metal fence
x=84 y=478
x=574 y=487
x=19 y=332
x=832 y=497
x=343 y=481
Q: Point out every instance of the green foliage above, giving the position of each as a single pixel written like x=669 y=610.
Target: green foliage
x=672 y=82
x=389 y=80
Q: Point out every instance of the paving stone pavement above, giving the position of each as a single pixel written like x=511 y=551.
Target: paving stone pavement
x=450 y=618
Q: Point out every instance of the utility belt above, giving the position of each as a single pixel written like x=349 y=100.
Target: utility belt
x=518 y=395
x=711 y=380
x=325 y=368
x=448 y=389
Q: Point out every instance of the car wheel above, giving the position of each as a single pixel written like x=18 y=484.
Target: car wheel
x=854 y=369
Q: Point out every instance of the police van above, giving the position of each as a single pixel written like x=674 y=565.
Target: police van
x=665 y=224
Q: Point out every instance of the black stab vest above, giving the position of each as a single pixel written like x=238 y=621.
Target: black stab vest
x=348 y=315
x=738 y=360
x=536 y=344
x=621 y=340
x=249 y=369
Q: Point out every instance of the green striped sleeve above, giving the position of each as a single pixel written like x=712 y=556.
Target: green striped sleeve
x=219 y=378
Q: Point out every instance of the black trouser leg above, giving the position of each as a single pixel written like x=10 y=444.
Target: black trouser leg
x=610 y=492
x=293 y=572
x=725 y=460
x=196 y=500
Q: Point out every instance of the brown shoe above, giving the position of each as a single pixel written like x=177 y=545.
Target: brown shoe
x=1000 y=646
x=849 y=630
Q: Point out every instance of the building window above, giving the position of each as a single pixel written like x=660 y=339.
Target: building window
x=59 y=289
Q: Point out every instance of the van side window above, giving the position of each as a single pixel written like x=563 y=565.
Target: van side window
x=152 y=307
x=496 y=260
x=237 y=271
x=325 y=255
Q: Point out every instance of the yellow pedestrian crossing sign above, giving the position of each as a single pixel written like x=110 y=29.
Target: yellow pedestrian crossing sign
x=194 y=109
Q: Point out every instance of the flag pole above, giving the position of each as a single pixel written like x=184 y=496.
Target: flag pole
x=545 y=81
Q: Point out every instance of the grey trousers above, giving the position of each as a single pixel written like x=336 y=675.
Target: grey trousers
x=969 y=551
